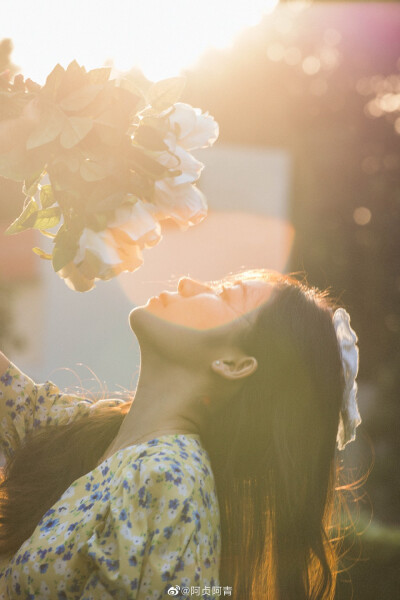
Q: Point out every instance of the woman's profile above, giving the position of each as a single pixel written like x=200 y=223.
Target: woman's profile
x=216 y=480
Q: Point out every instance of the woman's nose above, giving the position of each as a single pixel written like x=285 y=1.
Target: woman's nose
x=189 y=287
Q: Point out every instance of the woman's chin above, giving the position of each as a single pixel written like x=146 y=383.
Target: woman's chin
x=151 y=307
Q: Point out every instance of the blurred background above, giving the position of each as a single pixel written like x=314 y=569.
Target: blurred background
x=305 y=177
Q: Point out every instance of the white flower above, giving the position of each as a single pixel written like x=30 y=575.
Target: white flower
x=183 y=161
x=105 y=254
x=193 y=129
x=135 y=224
x=185 y=204
x=60 y=566
x=349 y=414
x=17 y=385
x=126 y=531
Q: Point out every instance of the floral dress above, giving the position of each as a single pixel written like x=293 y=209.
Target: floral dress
x=143 y=525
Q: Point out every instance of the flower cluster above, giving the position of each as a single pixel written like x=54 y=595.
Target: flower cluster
x=104 y=161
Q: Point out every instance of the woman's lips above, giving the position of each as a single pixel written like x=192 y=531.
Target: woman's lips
x=163 y=298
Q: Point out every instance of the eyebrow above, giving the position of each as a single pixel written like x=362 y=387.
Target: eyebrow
x=244 y=287
x=236 y=282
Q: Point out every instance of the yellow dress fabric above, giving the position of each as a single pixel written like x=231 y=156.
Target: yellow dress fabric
x=142 y=522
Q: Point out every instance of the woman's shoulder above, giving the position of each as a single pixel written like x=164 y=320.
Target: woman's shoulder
x=184 y=449
x=173 y=460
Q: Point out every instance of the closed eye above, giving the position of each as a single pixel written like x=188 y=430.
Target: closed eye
x=225 y=291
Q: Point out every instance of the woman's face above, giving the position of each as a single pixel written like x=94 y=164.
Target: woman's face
x=201 y=306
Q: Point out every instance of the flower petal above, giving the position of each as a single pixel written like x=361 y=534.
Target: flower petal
x=135 y=223
x=185 y=204
x=97 y=255
x=194 y=128
x=75 y=279
x=182 y=161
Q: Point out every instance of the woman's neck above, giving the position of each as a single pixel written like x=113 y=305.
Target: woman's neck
x=162 y=405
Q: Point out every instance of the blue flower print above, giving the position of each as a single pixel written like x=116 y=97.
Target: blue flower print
x=173 y=503
x=6 y=378
x=196 y=516
x=167 y=532
x=67 y=556
x=180 y=565
x=50 y=524
x=134 y=584
x=133 y=561
x=96 y=496
x=144 y=493
x=112 y=565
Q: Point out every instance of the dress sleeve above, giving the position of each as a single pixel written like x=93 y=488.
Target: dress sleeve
x=25 y=406
x=156 y=537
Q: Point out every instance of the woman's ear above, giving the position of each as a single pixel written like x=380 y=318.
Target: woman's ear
x=235 y=368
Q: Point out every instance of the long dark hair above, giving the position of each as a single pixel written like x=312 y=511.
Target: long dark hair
x=272 y=451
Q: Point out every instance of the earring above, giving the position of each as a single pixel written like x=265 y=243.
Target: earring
x=217 y=362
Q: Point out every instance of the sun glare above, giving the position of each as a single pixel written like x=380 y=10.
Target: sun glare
x=159 y=37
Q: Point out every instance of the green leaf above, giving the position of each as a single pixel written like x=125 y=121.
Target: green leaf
x=66 y=245
x=47 y=218
x=141 y=161
x=46 y=196
x=100 y=75
x=97 y=221
x=75 y=69
x=92 y=171
x=109 y=118
x=80 y=98
x=26 y=219
x=74 y=130
x=31 y=185
x=111 y=202
x=166 y=92
x=51 y=122
x=150 y=138
x=53 y=81
x=69 y=159
x=42 y=253
x=20 y=165
x=129 y=86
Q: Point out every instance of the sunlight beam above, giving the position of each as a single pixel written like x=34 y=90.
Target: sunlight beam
x=159 y=37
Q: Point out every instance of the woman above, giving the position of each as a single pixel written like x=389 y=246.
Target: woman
x=218 y=480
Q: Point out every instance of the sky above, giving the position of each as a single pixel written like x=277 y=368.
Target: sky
x=161 y=37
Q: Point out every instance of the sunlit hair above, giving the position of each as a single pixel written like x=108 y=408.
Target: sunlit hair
x=272 y=448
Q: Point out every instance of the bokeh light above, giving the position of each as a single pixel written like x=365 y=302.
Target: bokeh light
x=362 y=215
